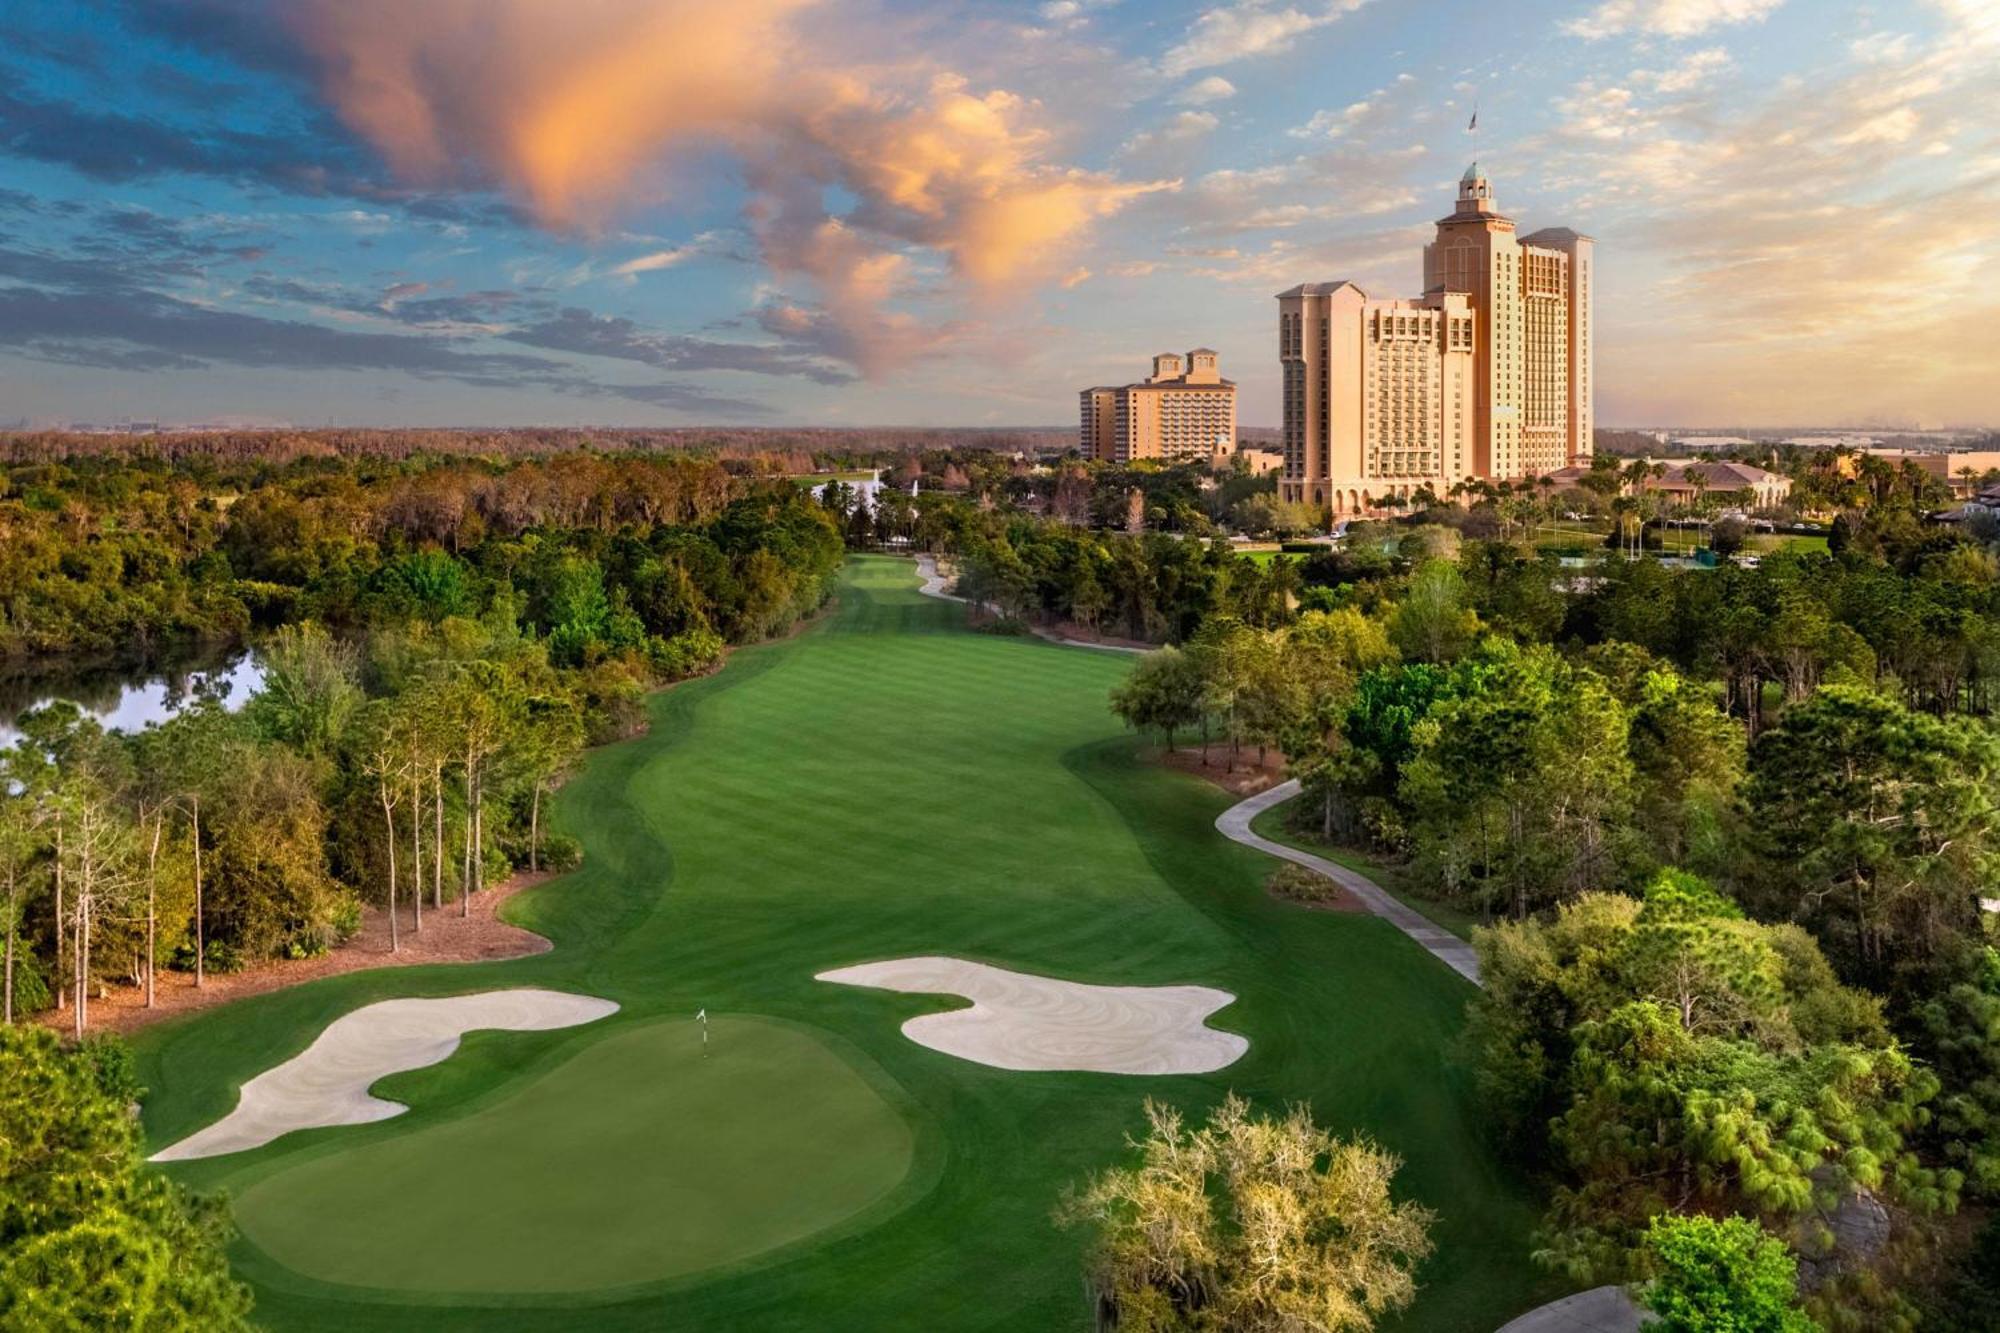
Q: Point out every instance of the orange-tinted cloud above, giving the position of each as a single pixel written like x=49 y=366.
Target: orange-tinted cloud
x=579 y=109
x=566 y=105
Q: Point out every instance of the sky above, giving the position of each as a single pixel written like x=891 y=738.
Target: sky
x=959 y=212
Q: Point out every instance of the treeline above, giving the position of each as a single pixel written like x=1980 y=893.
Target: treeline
x=1730 y=830
x=287 y=444
x=449 y=641
x=122 y=557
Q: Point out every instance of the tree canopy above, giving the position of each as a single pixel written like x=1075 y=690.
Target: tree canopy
x=1249 y=1224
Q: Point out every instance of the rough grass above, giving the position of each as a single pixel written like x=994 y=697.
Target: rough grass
x=886 y=784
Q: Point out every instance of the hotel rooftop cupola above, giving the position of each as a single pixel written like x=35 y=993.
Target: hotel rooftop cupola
x=1475 y=192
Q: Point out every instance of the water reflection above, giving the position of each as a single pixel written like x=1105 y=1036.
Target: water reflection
x=133 y=700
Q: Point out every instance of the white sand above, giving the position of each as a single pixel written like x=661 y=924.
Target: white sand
x=1021 y=1021
x=328 y=1082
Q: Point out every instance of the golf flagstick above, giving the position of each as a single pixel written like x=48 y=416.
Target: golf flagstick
x=701 y=1016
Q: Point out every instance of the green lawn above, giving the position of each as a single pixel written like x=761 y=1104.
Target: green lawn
x=886 y=784
x=821 y=478
x=1765 y=543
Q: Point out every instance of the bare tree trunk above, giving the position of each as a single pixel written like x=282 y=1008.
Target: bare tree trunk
x=13 y=919
x=200 y=937
x=61 y=1001
x=81 y=949
x=465 y=871
x=389 y=841
x=437 y=836
x=152 y=902
x=417 y=847
x=78 y=967
x=478 y=843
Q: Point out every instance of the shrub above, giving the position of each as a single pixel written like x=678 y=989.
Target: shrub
x=689 y=653
x=1190 y=1239
x=31 y=984
x=1295 y=883
x=345 y=918
x=560 y=851
x=1728 y=1276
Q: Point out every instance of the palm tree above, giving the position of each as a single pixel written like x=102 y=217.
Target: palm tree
x=1622 y=510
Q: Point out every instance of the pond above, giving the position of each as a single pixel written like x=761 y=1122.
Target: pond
x=864 y=491
x=132 y=699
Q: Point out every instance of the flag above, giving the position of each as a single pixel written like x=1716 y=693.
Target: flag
x=1474 y=123
x=702 y=1016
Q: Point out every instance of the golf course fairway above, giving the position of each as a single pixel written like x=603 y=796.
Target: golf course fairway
x=885 y=785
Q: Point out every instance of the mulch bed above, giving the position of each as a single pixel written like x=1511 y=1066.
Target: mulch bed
x=1246 y=777
x=447 y=937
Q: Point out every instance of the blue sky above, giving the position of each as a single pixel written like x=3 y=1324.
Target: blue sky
x=872 y=212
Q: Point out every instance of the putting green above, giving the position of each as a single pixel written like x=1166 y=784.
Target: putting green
x=639 y=1159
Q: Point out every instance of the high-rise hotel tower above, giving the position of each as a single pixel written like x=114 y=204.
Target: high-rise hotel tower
x=1486 y=376
x=1184 y=412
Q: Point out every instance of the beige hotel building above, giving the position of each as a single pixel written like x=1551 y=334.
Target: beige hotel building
x=1185 y=412
x=1486 y=376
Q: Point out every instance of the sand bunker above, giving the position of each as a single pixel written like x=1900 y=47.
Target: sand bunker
x=1020 y=1021
x=328 y=1082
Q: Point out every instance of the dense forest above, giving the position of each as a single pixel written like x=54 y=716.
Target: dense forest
x=1722 y=837
x=440 y=639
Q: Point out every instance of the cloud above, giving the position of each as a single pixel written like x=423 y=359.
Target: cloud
x=1246 y=28
x=116 y=326
x=1667 y=18
x=116 y=147
x=1693 y=71
x=1162 y=148
x=1895 y=125
x=580 y=331
x=1214 y=88
x=655 y=261
x=87 y=313
x=1070 y=11
x=472 y=310
x=583 y=111
x=1333 y=124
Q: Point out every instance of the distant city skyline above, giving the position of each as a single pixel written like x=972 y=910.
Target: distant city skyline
x=833 y=212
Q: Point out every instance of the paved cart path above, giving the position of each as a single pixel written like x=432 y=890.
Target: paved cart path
x=1447 y=948
x=935 y=583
